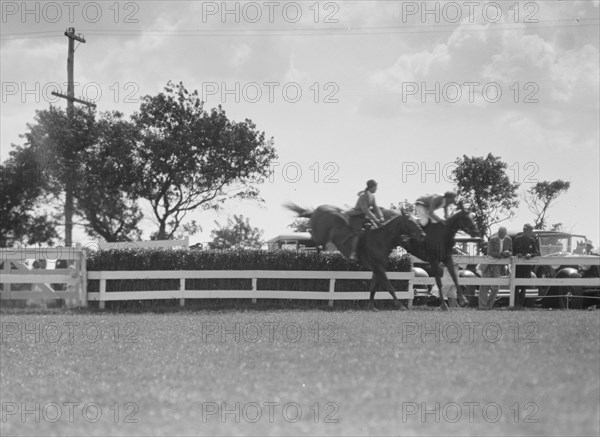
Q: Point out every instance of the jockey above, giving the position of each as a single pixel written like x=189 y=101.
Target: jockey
x=426 y=206
x=366 y=208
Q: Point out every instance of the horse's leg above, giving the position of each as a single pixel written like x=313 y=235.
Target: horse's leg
x=451 y=269
x=390 y=288
x=373 y=290
x=435 y=270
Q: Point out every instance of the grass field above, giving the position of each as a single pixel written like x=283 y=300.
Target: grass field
x=302 y=372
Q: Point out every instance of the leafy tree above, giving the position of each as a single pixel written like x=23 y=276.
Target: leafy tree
x=484 y=184
x=542 y=196
x=104 y=191
x=188 y=158
x=95 y=157
x=237 y=234
x=558 y=227
x=20 y=192
x=300 y=225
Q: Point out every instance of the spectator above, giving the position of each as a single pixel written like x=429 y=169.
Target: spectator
x=499 y=246
x=525 y=246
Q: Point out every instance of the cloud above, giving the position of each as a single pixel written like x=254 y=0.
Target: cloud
x=241 y=54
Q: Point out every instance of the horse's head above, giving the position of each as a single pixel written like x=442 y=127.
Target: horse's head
x=465 y=221
x=413 y=228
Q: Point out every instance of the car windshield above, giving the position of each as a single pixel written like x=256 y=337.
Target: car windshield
x=550 y=244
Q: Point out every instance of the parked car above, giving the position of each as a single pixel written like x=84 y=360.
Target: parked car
x=564 y=244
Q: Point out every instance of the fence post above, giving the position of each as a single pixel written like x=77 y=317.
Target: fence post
x=101 y=304
x=83 y=273
x=254 y=288
x=182 y=289
x=7 y=286
x=331 y=290
x=511 y=285
x=411 y=291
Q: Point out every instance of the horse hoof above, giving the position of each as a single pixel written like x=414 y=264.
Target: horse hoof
x=372 y=308
x=444 y=308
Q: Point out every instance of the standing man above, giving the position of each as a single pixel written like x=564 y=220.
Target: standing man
x=499 y=246
x=366 y=209
x=525 y=246
x=426 y=206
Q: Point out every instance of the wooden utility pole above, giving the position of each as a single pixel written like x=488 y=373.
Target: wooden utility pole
x=70 y=33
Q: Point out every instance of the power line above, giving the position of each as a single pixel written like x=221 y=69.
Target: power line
x=372 y=30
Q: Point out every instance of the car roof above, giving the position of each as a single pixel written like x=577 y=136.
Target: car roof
x=292 y=236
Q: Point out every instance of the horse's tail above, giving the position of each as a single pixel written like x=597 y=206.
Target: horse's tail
x=302 y=212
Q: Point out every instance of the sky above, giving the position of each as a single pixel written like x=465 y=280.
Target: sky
x=350 y=91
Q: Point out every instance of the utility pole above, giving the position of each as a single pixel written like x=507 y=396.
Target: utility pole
x=70 y=33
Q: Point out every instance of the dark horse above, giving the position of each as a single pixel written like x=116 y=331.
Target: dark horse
x=437 y=246
x=329 y=223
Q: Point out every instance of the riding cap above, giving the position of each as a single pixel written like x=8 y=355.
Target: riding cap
x=371 y=183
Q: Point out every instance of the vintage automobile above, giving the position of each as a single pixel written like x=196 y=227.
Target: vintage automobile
x=292 y=241
x=564 y=244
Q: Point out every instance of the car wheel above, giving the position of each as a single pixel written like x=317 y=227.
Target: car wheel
x=574 y=302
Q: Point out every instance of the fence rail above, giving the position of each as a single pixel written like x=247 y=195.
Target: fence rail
x=69 y=283
x=251 y=293
x=75 y=279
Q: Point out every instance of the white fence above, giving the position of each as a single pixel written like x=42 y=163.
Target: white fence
x=43 y=284
x=76 y=279
x=251 y=293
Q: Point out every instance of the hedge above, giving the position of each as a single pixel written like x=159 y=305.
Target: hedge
x=243 y=259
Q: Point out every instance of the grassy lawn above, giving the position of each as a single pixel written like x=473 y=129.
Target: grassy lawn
x=301 y=372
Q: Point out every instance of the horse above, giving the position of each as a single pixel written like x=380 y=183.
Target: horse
x=437 y=246
x=329 y=223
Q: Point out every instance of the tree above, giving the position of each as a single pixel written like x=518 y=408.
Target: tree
x=20 y=192
x=187 y=158
x=484 y=184
x=237 y=234
x=300 y=225
x=542 y=196
x=104 y=192
x=557 y=227
x=96 y=155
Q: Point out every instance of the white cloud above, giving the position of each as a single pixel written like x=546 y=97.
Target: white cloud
x=241 y=54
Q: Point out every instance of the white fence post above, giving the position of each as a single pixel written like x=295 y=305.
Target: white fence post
x=83 y=277
x=182 y=288
x=254 y=288
x=102 y=302
x=331 y=290
x=511 y=286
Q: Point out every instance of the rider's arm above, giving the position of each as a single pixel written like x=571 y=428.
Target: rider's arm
x=445 y=211
x=377 y=210
x=363 y=203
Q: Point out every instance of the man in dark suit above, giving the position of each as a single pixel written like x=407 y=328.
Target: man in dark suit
x=499 y=246
x=525 y=246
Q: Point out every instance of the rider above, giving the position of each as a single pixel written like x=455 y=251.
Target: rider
x=426 y=206
x=366 y=208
